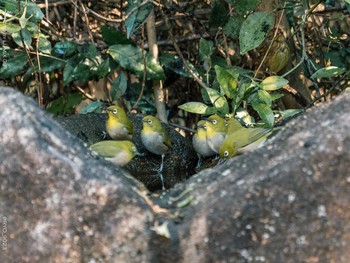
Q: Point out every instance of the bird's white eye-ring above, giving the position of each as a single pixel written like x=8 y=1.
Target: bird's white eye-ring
x=204 y=127
x=149 y=121
x=115 y=111
x=226 y=153
x=214 y=122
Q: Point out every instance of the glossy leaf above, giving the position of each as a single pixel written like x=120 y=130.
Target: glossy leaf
x=64 y=49
x=265 y=97
x=254 y=30
x=328 y=72
x=219 y=101
x=197 y=107
x=103 y=69
x=273 y=83
x=27 y=37
x=7 y=28
x=119 y=86
x=265 y=113
x=13 y=66
x=44 y=45
x=227 y=79
x=136 y=15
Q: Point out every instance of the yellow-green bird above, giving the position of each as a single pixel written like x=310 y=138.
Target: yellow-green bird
x=200 y=144
x=118 y=125
x=117 y=152
x=243 y=140
x=232 y=125
x=216 y=132
x=155 y=139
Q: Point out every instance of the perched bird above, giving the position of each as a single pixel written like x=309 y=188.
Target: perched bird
x=243 y=140
x=118 y=125
x=117 y=152
x=216 y=132
x=200 y=144
x=156 y=140
x=232 y=125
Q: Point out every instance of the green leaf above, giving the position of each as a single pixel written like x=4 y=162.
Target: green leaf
x=44 y=45
x=103 y=69
x=136 y=15
x=286 y=114
x=34 y=12
x=276 y=95
x=88 y=50
x=328 y=72
x=7 y=28
x=233 y=26
x=227 y=79
x=13 y=66
x=95 y=107
x=244 y=115
x=265 y=97
x=197 y=107
x=130 y=58
x=205 y=49
x=273 y=83
x=244 y=6
x=219 y=15
x=64 y=49
x=219 y=101
x=265 y=113
x=238 y=98
x=119 y=86
x=27 y=37
x=112 y=36
x=254 y=30
x=65 y=104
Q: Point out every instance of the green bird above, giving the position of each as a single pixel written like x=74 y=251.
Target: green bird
x=243 y=140
x=117 y=152
x=155 y=139
x=118 y=124
x=200 y=143
x=216 y=132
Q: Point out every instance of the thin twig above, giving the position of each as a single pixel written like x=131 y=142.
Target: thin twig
x=40 y=90
x=87 y=95
x=144 y=68
x=328 y=91
x=272 y=40
x=178 y=51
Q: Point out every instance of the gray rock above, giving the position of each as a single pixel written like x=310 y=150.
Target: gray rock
x=285 y=202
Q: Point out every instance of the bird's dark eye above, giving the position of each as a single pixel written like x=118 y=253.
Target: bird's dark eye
x=226 y=153
x=204 y=127
x=149 y=121
x=214 y=122
x=115 y=111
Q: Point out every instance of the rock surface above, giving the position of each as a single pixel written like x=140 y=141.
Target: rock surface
x=179 y=162
x=285 y=202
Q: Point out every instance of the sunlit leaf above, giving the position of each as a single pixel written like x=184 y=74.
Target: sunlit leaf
x=227 y=79
x=286 y=114
x=197 y=107
x=273 y=83
x=327 y=72
x=265 y=97
x=219 y=101
x=27 y=37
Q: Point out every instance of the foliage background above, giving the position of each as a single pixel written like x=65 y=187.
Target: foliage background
x=79 y=56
